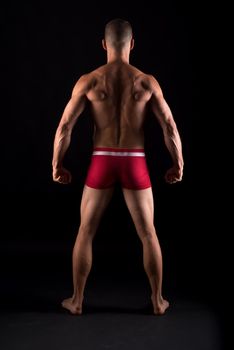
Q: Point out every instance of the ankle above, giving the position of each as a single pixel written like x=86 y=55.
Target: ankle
x=77 y=299
x=157 y=296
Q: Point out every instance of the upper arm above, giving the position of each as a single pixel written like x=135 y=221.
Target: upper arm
x=76 y=103
x=159 y=105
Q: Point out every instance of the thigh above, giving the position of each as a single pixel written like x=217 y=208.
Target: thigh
x=93 y=203
x=141 y=207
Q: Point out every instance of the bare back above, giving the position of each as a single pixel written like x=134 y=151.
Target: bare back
x=118 y=95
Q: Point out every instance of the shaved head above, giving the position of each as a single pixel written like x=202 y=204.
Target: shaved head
x=118 y=33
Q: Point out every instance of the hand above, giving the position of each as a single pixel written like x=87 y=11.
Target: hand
x=174 y=175
x=62 y=175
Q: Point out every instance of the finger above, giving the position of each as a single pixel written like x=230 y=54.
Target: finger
x=64 y=179
x=169 y=181
x=178 y=178
x=68 y=177
x=61 y=179
x=175 y=180
x=57 y=179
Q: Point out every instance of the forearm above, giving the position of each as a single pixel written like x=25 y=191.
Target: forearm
x=173 y=144
x=61 y=144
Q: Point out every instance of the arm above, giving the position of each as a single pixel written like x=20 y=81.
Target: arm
x=171 y=135
x=62 y=139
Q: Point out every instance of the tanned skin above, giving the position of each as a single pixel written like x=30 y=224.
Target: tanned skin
x=119 y=95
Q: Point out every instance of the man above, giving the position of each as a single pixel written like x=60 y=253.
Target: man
x=119 y=95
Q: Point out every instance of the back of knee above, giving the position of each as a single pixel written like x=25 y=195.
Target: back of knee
x=147 y=232
x=87 y=230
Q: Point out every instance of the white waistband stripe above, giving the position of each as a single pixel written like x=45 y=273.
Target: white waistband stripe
x=120 y=154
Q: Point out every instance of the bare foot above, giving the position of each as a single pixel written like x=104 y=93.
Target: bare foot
x=160 y=305
x=73 y=307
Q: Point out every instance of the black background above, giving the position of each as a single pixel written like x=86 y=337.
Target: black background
x=45 y=49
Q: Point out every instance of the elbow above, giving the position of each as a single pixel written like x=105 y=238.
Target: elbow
x=63 y=133
x=64 y=129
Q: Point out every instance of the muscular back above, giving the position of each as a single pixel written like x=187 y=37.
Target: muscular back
x=118 y=95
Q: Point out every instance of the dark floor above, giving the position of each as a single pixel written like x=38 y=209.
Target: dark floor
x=117 y=311
x=115 y=316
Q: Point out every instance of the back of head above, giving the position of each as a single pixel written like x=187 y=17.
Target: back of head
x=118 y=33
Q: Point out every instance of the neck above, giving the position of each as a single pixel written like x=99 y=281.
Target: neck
x=118 y=55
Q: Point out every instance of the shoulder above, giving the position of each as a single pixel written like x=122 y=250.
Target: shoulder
x=88 y=80
x=84 y=83
x=153 y=83
x=148 y=80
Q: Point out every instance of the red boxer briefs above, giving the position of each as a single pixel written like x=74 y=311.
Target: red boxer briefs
x=127 y=166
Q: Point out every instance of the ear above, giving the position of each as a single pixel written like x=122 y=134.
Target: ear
x=132 y=44
x=104 y=44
